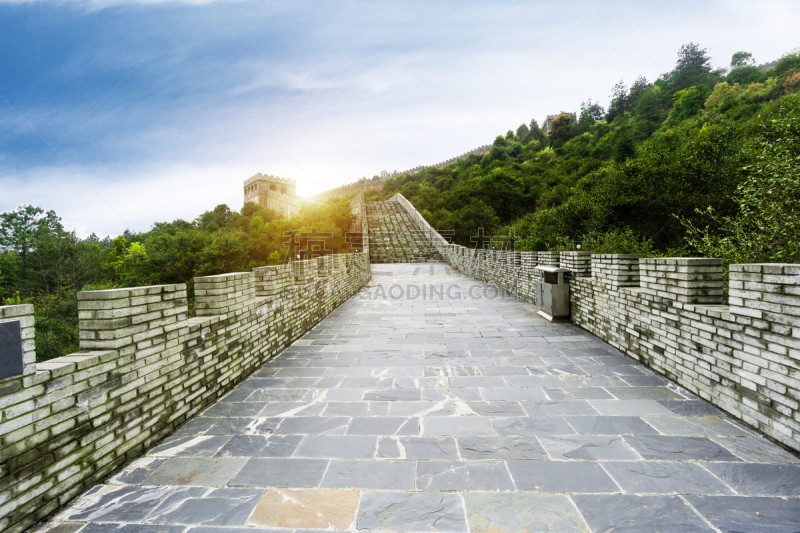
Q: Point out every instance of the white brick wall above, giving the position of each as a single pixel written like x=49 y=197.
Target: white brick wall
x=735 y=357
x=67 y=423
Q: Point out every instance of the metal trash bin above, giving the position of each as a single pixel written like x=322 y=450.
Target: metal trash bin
x=552 y=293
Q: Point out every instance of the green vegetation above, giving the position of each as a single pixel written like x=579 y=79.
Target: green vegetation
x=43 y=264
x=698 y=162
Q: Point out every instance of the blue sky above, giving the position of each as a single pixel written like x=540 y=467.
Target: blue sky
x=117 y=114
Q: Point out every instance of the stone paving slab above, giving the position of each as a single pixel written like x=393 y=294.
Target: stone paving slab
x=451 y=415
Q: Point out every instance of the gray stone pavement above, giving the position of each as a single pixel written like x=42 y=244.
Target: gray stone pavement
x=461 y=411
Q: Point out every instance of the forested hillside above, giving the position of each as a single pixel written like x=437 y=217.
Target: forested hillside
x=701 y=161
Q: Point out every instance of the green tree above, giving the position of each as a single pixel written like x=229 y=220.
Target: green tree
x=56 y=332
x=624 y=100
x=220 y=217
x=789 y=63
x=228 y=251
x=471 y=218
x=252 y=209
x=742 y=59
x=722 y=92
x=638 y=89
x=444 y=183
x=134 y=269
x=693 y=69
x=653 y=106
x=535 y=132
x=62 y=261
x=428 y=196
x=590 y=113
x=116 y=256
x=9 y=273
x=624 y=147
x=20 y=228
x=497 y=153
x=619 y=101
x=441 y=219
x=175 y=256
x=745 y=75
x=688 y=102
x=502 y=192
x=21 y=231
x=561 y=129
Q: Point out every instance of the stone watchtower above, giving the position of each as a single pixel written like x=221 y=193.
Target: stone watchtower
x=273 y=192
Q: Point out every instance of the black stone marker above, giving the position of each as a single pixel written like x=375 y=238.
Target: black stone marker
x=10 y=349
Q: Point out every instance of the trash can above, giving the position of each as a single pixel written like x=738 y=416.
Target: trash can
x=552 y=293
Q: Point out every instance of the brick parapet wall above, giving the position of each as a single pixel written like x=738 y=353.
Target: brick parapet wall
x=350 y=188
x=514 y=272
x=127 y=319
x=578 y=263
x=271 y=281
x=684 y=279
x=667 y=313
x=734 y=357
x=223 y=294
x=616 y=270
x=24 y=315
x=549 y=258
x=360 y=223
x=767 y=292
x=144 y=370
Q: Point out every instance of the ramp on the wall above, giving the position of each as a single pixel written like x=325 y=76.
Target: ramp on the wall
x=395 y=237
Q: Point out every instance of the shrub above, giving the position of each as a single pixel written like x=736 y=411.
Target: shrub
x=745 y=75
x=766 y=226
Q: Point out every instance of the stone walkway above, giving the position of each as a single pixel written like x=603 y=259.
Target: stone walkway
x=462 y=412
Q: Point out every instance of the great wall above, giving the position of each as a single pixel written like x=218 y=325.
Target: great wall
x=323 y=394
